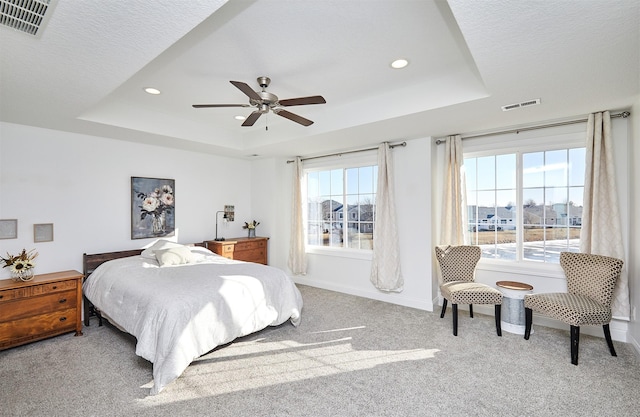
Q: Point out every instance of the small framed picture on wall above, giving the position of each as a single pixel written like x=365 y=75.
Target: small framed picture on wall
x=43 y=232
x=9 y=229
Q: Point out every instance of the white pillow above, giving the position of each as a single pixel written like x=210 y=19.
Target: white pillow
x=160 y=244
x=174 y=256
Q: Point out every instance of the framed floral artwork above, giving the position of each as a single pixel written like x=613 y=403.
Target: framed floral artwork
x=152 y=207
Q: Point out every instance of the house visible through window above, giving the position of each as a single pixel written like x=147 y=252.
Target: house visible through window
x=526 y=205
x=341 y=207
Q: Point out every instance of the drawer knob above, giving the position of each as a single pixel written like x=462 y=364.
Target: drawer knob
x=63 y=318
x=64 y=300
x=55 y=287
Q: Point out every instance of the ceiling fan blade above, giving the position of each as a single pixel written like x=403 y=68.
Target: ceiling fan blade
x=300 y=101
x=294 y=117
x=244 y=87
x=201 y=106
x=249 y=121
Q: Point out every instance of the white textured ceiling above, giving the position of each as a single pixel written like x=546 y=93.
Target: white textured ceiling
x=85 y=72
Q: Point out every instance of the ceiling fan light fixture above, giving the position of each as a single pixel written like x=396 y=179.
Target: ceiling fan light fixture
x=399 y=63
x=238 y=117
x=151 y=90
x=264 y=102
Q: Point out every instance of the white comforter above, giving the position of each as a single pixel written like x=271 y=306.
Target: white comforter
x=178 y=313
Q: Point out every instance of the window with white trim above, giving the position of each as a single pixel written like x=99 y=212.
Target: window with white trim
x=341 y=199
x=526 y=205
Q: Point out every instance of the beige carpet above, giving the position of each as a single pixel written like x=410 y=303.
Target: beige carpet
x=349 y=357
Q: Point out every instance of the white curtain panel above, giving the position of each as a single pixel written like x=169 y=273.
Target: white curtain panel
x=385 y=267
x=297 y=255
x=601 y=232
x=454 y=201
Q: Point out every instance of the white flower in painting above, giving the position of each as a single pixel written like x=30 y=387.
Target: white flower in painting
x=167 y=189
x=167 y=199
x=150 y=204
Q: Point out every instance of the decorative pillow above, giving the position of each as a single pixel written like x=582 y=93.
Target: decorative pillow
x=174 y=256
x=160 y=244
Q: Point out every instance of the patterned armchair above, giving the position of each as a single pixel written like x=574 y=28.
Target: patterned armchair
x=590 y=283
x=458 y=266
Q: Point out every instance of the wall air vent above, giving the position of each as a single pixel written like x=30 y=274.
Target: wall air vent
x=23 y=15
x=522 y=104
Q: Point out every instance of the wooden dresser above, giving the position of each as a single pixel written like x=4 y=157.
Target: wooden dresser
x=249 y=249
x=48 y=305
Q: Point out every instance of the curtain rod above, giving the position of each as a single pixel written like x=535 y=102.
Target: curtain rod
x=624 y=115
x=347 y=152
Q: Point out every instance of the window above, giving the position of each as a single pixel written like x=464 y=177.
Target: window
x=334 y=195
x=526 y=205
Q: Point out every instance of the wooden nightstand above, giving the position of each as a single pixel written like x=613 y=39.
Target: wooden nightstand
x=48 y=305
x=249 y=249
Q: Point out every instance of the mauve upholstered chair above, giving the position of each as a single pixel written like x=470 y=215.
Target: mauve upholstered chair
x=458 y=267
x=590 y=283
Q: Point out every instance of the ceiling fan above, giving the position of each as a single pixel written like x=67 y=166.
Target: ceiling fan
x=264 y=101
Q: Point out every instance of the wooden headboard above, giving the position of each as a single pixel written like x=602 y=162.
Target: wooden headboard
x=92 y=261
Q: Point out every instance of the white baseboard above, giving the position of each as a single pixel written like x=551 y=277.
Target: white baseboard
x=399 y=298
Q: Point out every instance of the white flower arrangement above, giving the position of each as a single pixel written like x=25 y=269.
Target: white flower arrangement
x=157 y=202
x=250 y=225
x=21 y=262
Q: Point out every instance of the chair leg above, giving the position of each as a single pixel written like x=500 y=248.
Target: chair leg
x=471 y=310
x=528 y=320
x=444 y=307
x=498 y=309
x=575 y=341
x=607 y=335
x=454 y=308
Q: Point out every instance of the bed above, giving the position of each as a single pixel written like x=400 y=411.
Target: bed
x=181 y=302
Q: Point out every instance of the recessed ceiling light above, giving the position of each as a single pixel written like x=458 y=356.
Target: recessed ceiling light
x=239 y=117
x=151 y=90
x=399 y=63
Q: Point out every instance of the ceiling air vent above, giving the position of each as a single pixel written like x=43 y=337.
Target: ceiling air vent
x=522 y=104
x=23 y=15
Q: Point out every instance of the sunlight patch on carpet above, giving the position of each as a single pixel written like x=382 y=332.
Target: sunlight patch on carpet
x=258 y=364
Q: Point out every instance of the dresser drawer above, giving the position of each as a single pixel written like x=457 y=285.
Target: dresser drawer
x=226 y=249
x=49 y=302
x=257 y=256
x=33 y=290
x=251 y=245
x=37 y=327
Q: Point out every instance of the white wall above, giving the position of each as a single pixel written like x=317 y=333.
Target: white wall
x=351 y=275
x=82 y=185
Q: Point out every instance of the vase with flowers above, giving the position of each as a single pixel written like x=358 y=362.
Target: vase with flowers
x=21 y=265
x=251 y=227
